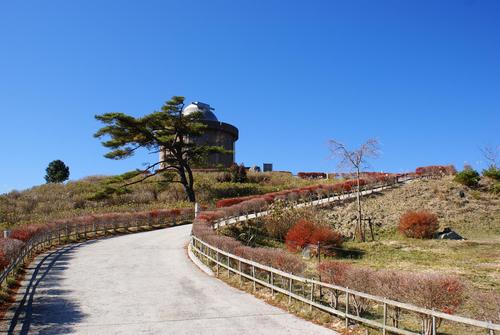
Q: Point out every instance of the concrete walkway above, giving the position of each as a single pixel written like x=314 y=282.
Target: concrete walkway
x=138 y=284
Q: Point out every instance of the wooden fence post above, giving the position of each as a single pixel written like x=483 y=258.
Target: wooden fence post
x=384 y=332
x=346 y=309
x=217 y=263
x=253 y=276
x=271 y=279
x=239 y=270
x=312 y=297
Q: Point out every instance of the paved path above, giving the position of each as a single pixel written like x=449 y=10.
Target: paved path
x=138 y=284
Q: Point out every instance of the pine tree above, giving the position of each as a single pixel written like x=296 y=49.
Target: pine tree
x=168 y=131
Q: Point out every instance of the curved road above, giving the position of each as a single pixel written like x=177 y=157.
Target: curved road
x=140 y=283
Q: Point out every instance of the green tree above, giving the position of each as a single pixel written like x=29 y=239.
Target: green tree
x=167 y=131
x=468 y=177
x=56 y=172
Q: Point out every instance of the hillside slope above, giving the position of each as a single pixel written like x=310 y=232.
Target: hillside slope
x=475 y=215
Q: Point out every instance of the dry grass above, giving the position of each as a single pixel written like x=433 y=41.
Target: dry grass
x=476 y=217
x=55 y=201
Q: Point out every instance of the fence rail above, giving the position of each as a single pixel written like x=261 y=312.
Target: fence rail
x=75 y=232
x=322 y=295
x=342 y=300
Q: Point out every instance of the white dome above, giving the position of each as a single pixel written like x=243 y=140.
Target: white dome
x=205 y=109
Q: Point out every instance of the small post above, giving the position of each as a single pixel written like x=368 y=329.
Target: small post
x=290 y=290
x=217 y=262
x=239 y=270
x=271 y=280
x=253 y=276
x=433 y=325
x=228 y=266
x=312 y=297
x=385 y=318
x=196 y=210
x=347 y=309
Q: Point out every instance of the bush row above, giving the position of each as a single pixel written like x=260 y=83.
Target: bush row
x=276 y=258
x=312 y=175
x=441 y=292
x=10 y=247
x=310 y=192
x=436 y=170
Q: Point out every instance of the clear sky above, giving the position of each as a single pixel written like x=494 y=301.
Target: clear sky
x=421 y=76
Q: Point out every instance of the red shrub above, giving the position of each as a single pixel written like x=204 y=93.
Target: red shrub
x=299 y=235
x=25 y=232
x=420 y=224
x=305 y=232
x=436 y=170
x=326 y=236
x=4 y=261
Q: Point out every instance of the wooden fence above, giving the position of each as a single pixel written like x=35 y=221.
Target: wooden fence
x=68 y=233
x=335 y=300
x=389 y=316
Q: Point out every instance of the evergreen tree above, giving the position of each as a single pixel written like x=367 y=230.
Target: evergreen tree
x=167 y=130
x=56 y=172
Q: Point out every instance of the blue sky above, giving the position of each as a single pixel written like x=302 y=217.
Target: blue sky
x=421 y=76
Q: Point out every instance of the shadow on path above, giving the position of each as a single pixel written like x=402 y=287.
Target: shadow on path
x=44 y=307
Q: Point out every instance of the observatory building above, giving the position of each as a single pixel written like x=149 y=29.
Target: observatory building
x=217 y=134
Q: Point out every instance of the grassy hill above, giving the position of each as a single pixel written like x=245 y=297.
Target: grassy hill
x=475 y=216
x=52 y=201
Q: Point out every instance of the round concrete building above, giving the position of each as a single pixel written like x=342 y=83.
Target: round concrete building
x=216 y=134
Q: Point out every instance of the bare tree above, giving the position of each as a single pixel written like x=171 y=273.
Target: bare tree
x=355 y=160
x=491 y=153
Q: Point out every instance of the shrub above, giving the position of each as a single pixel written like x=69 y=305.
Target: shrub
x=238 y=173
x=334 y=273
x=9 y=249
x=468 y=178
x=419 y=224
x=299 y=235
x=492 y=172
x=280 y=219
x=25 y=232
x=436 y=170
x=326 y=236
x=433 y=291
x=4 y=262
x=495 y=188
x=306 y=232
x=312 y=175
